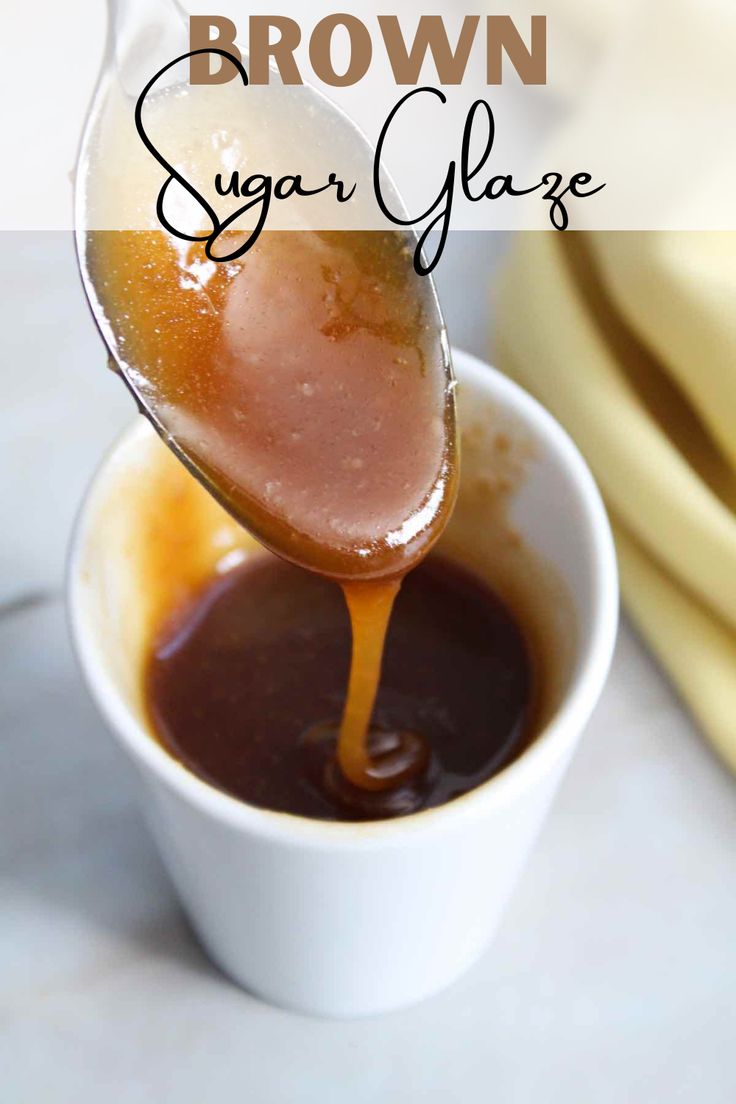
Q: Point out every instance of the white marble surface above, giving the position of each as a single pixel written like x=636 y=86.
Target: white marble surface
x=612 y=979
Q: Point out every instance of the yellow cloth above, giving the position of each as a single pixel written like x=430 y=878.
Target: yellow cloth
x=630 y=339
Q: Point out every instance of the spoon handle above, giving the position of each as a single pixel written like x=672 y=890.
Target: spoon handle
x=142 y=36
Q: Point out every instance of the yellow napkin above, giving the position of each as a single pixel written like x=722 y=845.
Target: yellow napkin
x=630 y=340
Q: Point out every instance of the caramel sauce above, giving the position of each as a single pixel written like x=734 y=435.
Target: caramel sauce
x=307 y=385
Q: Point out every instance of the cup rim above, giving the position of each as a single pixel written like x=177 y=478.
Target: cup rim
x=557 y=736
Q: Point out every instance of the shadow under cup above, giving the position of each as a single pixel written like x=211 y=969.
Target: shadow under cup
x=341 y=918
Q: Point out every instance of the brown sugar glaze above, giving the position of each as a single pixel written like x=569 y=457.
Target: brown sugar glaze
x=236 y=668
x=307 y=384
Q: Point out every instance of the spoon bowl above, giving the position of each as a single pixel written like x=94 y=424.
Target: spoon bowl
x=282 y=359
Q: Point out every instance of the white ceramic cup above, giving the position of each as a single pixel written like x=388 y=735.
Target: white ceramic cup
x=344 y=919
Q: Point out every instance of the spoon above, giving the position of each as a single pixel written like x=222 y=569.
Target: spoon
x=346 y=534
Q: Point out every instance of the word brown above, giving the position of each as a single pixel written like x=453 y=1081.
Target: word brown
x=273 y=40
